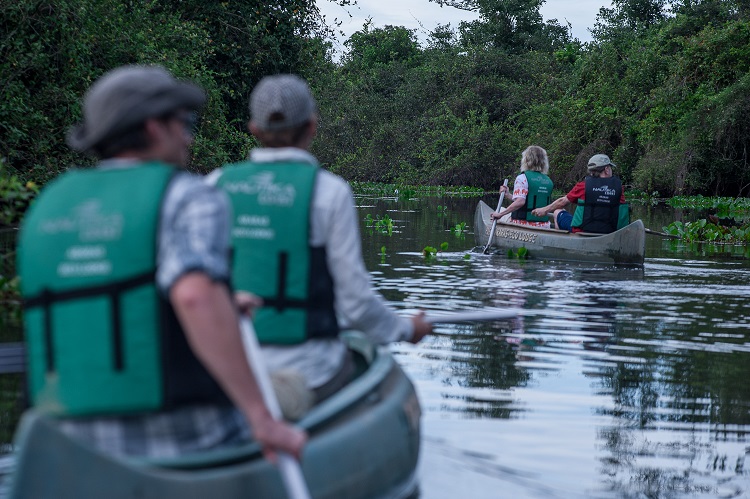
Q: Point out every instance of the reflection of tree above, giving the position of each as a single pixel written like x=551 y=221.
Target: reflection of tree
x=492 y=365
x=702 y=390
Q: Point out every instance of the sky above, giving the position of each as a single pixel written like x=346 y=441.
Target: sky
x=424 y=15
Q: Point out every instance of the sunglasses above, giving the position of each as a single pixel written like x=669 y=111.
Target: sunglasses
x=189 y=121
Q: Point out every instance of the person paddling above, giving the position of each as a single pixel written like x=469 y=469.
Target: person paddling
x=130 y=325
x=531 y=189
x=297 y=245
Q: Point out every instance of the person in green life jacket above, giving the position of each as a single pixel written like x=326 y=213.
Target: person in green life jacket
x=296 y=245
x=531 y=189
x=599 y=201
x=131 y=328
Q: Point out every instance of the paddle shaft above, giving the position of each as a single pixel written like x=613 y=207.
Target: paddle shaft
x=494 y=222
x=294 y=480
x=471 y=316
x=662 y=234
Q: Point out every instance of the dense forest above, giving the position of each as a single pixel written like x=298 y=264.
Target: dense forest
x=663 y=88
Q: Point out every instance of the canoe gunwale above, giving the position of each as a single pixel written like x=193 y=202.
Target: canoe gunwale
x=325 y=413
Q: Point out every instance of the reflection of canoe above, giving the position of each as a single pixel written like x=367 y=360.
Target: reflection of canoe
x=625 y=246
x=364 y=442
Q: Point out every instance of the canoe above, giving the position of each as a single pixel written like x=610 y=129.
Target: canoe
x=626 y=246
x=364 y=443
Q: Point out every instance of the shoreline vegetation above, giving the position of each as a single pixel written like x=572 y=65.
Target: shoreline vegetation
x=663 y=88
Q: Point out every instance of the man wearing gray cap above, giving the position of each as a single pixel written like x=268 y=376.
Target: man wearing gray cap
x=599 y=199
x=131 y=328
x=296 y=245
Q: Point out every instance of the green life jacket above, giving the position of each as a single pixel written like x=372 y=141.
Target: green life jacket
x=100 y=339
x=272 y=256
x=540 y=194
x=600 y=211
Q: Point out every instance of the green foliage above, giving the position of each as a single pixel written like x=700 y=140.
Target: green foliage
x=431 y=252
x=705 y=231
x=722 y=206
x=50 y=53
x=15 y=197
x=520 y=254
x=459 y=229
x=381 y=223
x=412 y=191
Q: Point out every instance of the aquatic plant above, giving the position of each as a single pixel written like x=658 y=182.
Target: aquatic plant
x=431 y=252
x=412 y=191
x=520 y=254
x=383 y=224
x=723 y=206
x=704 y=231
x=459 y=229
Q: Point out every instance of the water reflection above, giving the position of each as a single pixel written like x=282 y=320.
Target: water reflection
x=615 y=382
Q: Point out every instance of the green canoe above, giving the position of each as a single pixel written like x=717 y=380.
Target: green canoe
x=626 y=246
x=364 y=443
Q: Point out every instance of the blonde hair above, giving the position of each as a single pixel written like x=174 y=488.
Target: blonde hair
x=534 y=158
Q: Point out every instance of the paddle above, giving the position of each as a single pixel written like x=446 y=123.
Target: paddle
x=290 y=469
x=662 y=234
x=494 y=222
x=471 y=316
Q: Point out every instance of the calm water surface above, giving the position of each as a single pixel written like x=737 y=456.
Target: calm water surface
x=616 y=382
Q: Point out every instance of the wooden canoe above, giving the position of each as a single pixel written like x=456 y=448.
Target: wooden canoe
x=626 y=246
x=364 y=443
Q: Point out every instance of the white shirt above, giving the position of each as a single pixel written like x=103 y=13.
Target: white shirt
x=334 y=224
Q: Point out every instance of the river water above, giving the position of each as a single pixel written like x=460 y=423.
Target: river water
x=615 y=382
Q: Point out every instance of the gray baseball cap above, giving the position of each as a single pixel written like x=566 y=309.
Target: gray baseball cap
x=281 y=101
x=599 y=161
x=128 y=96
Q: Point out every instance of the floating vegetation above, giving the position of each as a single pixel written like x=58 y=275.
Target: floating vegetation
x=723 y=206
x=520 y=254
x=643 y=197
x=459 y=229
x=383 y=224
x=442 y=210
x=703 y=231
x=412 y=191
x=430 y=252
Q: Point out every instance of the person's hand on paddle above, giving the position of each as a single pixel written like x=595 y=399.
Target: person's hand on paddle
x=277 y=436
x=497 y=215
x=247 y=302
x=421 y=327
x=539 y=212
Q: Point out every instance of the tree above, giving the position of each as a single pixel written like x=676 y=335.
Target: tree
x=513 y=25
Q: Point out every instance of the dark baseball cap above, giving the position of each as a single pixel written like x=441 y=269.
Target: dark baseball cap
x=127 y=96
